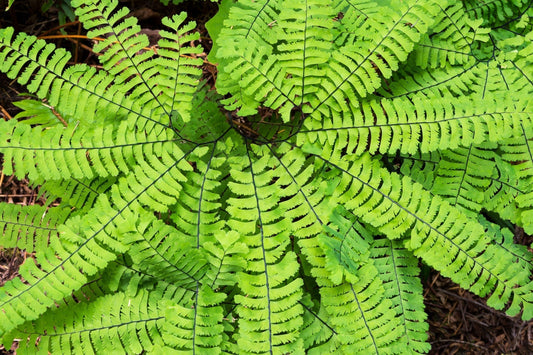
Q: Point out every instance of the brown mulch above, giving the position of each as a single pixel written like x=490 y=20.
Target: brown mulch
x=460 y=322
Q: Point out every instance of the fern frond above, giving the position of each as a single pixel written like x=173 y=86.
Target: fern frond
x=41 y=67
x=29 y=227
x=420 y=167
x=495 y=12
x=437 y=232
x=67 y=89
x=198 y=327
x=387 y=126
x=269 y=313
x=464 y=175
x=161 y=252
x=354 y=315
x=519 y=153
x=398 y=268
x=124 y=324
x=75 y=152
x=196 y=213
x=125 y=55
x=179 y=71
x=345 y=247
x=86 y=246
x=122 y=46
x=451 y=40
x=359 y=315
x=504 y=238
x=359 y=68
x=348 y=70
x=227 y=258
x=79 y=195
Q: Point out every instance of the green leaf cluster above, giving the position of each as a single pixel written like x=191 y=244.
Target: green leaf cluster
x=288 y=208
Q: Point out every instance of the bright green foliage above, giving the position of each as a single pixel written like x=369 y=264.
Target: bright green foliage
x=29 y=227
x=287 y=209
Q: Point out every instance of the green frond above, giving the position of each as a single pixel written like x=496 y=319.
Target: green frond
x=345 y=247
x=29 y=227
x=451 y=40
x=79 y=195
x=441 y=235
x=504 y=238
x=197 y=328
x=495 y=12
x=121 y=275
x=354 y=315
x=360 y=67
x=420 y=167
x=391 y=125
x=155 y=181
x=196 y=214
x=359 y=318
x=41 y=67
x=179 y=72
x=398 y=268
x=31 y=61
x=124 y=324
x=351 y=14
x=227 y=258
x=360 y=314
x=85 y=246
x=283 y=212
x=519 y=154
x=53 y=153
x=475 y=263
x=269 y=313
x=164 y=84
x=122 y=46
x=160 y=251
x=258 y=71
x=464 y=174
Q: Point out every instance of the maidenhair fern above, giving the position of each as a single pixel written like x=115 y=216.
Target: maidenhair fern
x=286 y=209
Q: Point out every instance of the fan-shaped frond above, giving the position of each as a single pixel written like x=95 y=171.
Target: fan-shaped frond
x=354 y=316
x=160 y=85
x=451 y=39
x=41 y=67
x=283 y=211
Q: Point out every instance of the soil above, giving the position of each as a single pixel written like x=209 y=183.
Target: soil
x=460 y=322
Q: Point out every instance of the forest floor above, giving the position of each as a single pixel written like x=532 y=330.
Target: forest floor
x=460 y=322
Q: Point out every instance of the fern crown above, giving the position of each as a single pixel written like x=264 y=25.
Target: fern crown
x=286 y=209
